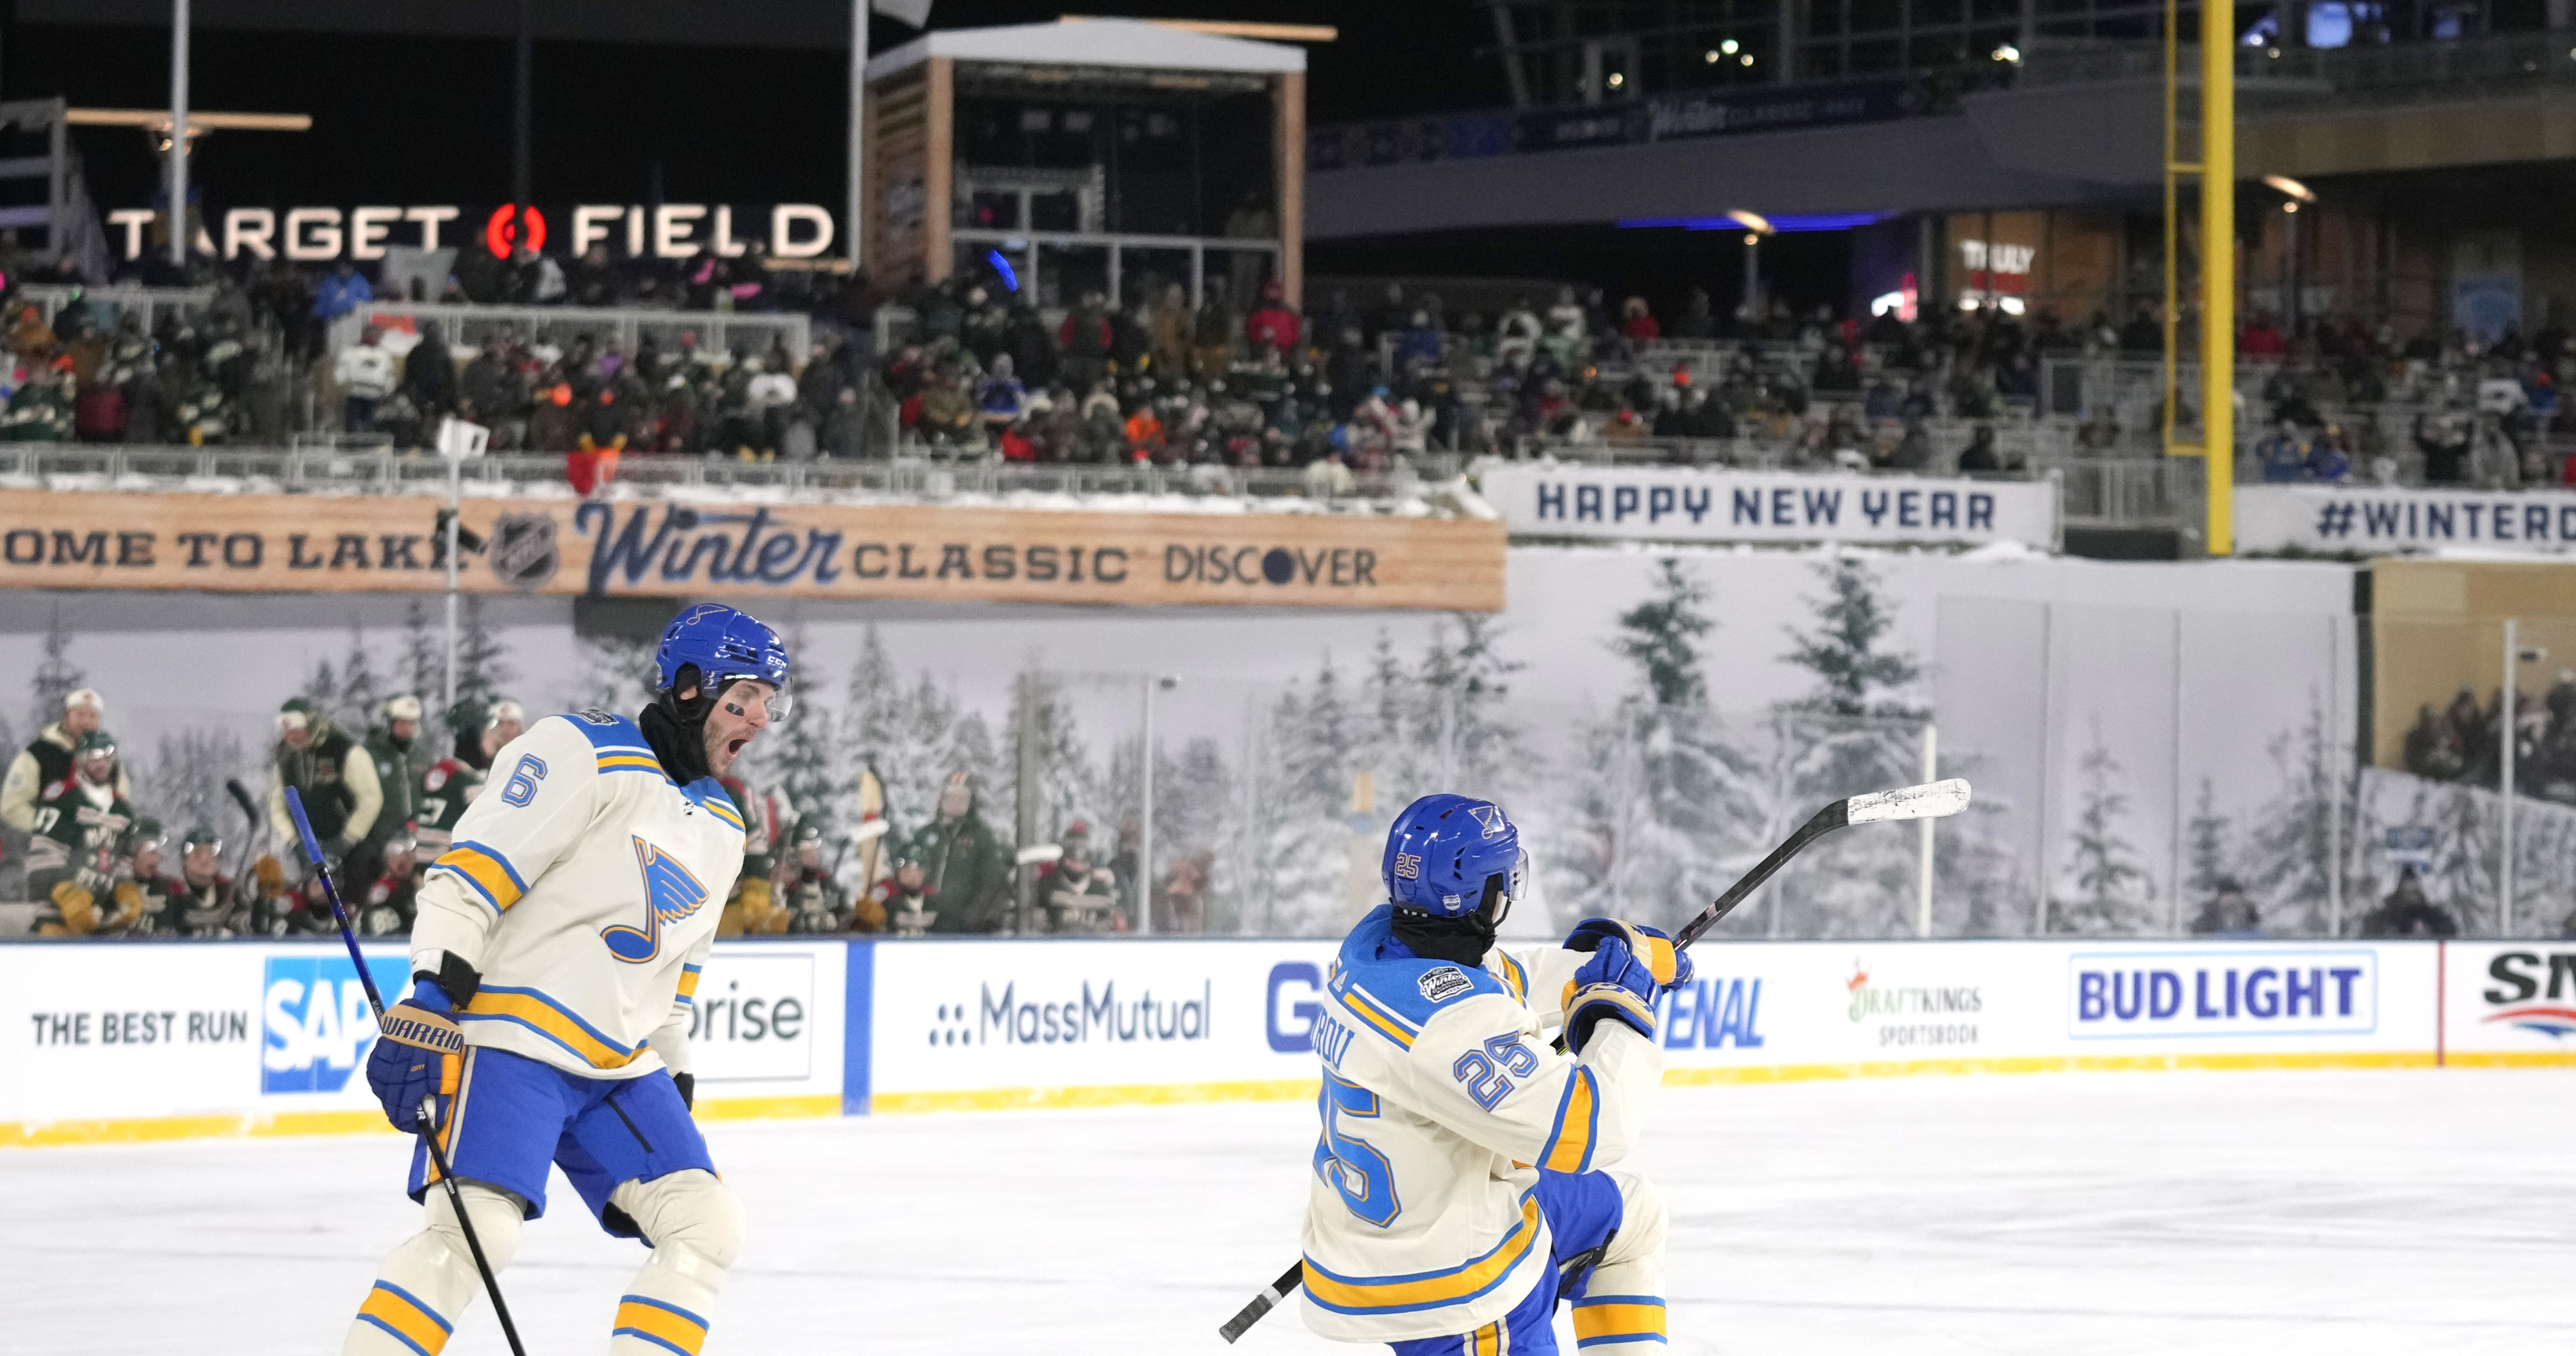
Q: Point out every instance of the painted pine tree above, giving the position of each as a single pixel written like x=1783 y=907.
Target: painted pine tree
x=1302 y=853
x=1465 y=680
x=619 y=674
x=2205 y=843
x=183 y=784
x=423 y=666
x=322 y=688
x=2112 y=891
x=1854 y=677
x=1192 y=796
x=56 y=676
x=483 y=670
x=2290 y=854
x=1656 y=810
x=362 y=690
x=801 y=763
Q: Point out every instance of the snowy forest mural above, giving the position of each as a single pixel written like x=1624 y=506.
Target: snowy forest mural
x=1655 y=721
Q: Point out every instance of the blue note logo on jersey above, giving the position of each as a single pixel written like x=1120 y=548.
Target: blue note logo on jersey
x=670 y=894
x=316 y=1024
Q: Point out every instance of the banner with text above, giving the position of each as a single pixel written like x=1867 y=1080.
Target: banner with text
x=2372 y=520
x=153 y=1041
x=653 y=547
x=971 y=1025
x=1679 y=504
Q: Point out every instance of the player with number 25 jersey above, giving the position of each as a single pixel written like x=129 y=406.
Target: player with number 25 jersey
x=1465 y=1179
x=555 y=961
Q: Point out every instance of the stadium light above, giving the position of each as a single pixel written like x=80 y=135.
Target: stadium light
x=1752 y=221
x=2282 y=183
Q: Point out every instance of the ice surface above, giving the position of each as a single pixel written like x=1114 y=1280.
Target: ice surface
x=2272 y=1213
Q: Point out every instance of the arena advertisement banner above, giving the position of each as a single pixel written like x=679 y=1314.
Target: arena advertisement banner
x=140 y=1041
x=255 y=543
x=1775 y=1011
x=2509 y=1003
x=981 y=1025
x=1687 y=505
x=2375 y=520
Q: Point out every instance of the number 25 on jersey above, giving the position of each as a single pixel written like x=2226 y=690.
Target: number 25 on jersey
x=1361 y=1174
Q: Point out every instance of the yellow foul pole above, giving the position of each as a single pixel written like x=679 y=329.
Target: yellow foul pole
x=2218 y=268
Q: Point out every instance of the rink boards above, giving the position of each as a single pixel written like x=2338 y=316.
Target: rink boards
x=126 y=1042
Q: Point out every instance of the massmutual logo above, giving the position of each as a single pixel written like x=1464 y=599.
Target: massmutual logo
x=2517 y=996
x=1913 y=1015
x=1112 y=1011
x=315 y=1021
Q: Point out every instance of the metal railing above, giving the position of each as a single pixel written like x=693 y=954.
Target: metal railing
x=2130 y=491
x=352 y=471
x=735 y=332
x=110 y=305
x=2362 y=72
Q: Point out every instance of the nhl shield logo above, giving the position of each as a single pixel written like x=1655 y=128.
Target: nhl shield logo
x=524 y=554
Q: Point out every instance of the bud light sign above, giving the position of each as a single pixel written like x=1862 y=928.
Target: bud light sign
x=316 y=1021
x=2123 y=995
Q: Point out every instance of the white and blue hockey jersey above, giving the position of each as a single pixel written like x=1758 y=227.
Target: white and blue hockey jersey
x=585 y=886
x=1441 y=1100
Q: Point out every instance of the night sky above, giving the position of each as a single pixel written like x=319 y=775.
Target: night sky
x=416 y=120
x=427 y=120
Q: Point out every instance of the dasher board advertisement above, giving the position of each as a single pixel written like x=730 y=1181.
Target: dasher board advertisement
x=131 y=1040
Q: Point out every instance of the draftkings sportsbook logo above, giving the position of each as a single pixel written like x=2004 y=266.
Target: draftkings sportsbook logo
x=1915 y=1015
x=315 y=1021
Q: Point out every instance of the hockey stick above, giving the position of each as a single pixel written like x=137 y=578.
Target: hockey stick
x=1932 y=800
x=429 y=1105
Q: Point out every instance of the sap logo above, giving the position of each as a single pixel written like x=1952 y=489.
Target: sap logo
x=1292 y=1003
x=2515 y=990
x=317 y=1024
x=1712 y=1014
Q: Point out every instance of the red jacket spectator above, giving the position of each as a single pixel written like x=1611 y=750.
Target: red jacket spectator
x=1638 y=323
x=1272 y=321
x=2260 y=340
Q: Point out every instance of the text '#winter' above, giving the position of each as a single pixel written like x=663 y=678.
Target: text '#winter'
x=1776 y=506
x=2431 y=518
x=2114 y=996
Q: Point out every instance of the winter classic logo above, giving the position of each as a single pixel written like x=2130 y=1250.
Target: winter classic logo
x=2517 y=997
x=1913 y=1014
x=316 y=1021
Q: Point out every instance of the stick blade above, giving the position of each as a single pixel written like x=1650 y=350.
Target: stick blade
x=1932 y=800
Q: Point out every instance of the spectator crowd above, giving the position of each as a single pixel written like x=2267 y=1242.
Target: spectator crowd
x=976 y=370
x=384 y=805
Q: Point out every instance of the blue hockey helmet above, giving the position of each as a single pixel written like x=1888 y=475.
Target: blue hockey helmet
x=1451 y=855
x=725 y=646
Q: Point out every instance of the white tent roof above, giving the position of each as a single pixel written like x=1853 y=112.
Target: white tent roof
x=1094 y=42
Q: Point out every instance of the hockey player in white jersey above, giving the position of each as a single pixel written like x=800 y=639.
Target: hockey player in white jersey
x=1466 y=1179
x=562 y=933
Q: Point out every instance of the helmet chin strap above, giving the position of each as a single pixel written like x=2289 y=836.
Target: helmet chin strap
x=676 y=726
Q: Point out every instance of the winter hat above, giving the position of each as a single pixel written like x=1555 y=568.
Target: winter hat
x=402 y=707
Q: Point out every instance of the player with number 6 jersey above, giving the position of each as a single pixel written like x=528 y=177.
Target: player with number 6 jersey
x=1467 y=1180
x=555 y=961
